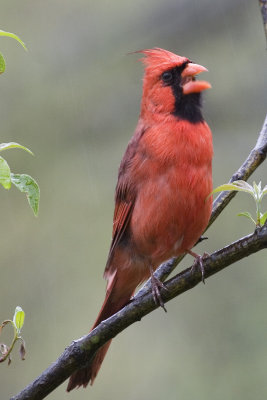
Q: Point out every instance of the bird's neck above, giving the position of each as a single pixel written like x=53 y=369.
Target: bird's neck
x=187 y=108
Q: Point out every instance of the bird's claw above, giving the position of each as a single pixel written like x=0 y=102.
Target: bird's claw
x=156 y=286
x=198 y=263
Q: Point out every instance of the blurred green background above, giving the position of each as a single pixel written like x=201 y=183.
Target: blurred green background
x=74 y=98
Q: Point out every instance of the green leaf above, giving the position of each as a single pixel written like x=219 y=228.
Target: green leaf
x=5 y=177
x=243 y=185
x=12 y=35
x=226 y=187
x=257 y=188
x=28 y=185
x=221 y=188
x=13 y=145
x=247 y=215
x=257 y=191
x=18 y=318
x=264 y=190
x=263 y=218
x=2 y=64
x=240 y=186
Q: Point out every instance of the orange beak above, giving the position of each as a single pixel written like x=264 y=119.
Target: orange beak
x=189 y=84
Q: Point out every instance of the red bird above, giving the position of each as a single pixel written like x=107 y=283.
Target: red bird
x=161 y=205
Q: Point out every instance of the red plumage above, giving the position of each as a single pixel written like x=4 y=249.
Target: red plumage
x=161 y=205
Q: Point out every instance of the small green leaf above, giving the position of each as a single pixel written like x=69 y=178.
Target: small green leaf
x=263 y=218
x=12 y=35
x=243 y=185
x=264 y=190
x=247 y=215
x=257 y=190
x=221 y=188
x=13 y=145
x=5 y=178
x=240 y=186
x=2 y=64
x=26 y=184
x=18 y=318
x=226 y=187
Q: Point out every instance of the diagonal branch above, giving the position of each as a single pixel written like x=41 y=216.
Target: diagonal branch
x=80 y=352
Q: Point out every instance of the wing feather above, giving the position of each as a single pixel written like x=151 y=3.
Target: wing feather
x=124 y=197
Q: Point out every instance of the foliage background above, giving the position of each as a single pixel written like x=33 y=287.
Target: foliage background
x=74 y=100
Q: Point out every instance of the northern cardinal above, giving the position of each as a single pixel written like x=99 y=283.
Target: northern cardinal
x=165 y=177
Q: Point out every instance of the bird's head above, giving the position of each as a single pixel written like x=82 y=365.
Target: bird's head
x=170 y=85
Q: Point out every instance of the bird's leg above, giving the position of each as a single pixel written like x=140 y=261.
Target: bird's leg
x=198 y=263
x=156 y=285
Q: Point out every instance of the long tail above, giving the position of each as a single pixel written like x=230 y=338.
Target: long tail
x=116 y=297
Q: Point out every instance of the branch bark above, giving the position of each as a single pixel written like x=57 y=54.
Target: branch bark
x=263 y=7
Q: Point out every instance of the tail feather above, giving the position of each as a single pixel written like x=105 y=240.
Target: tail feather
x=115 y=299
x=85 y=375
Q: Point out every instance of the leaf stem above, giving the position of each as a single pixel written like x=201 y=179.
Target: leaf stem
x=15 y=338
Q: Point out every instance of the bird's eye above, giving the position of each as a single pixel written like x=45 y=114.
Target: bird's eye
x=167 y=77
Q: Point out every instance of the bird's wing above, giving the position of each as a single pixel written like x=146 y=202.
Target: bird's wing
x=124 y=197
x=122 y=215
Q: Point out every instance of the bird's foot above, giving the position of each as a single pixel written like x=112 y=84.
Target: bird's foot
x=156 y=286
x=198 y=263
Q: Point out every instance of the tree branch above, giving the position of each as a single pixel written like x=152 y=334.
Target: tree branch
x=263 y=7
x=80 y=352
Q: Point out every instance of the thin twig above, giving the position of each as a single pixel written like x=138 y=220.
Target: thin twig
x=263 y=7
